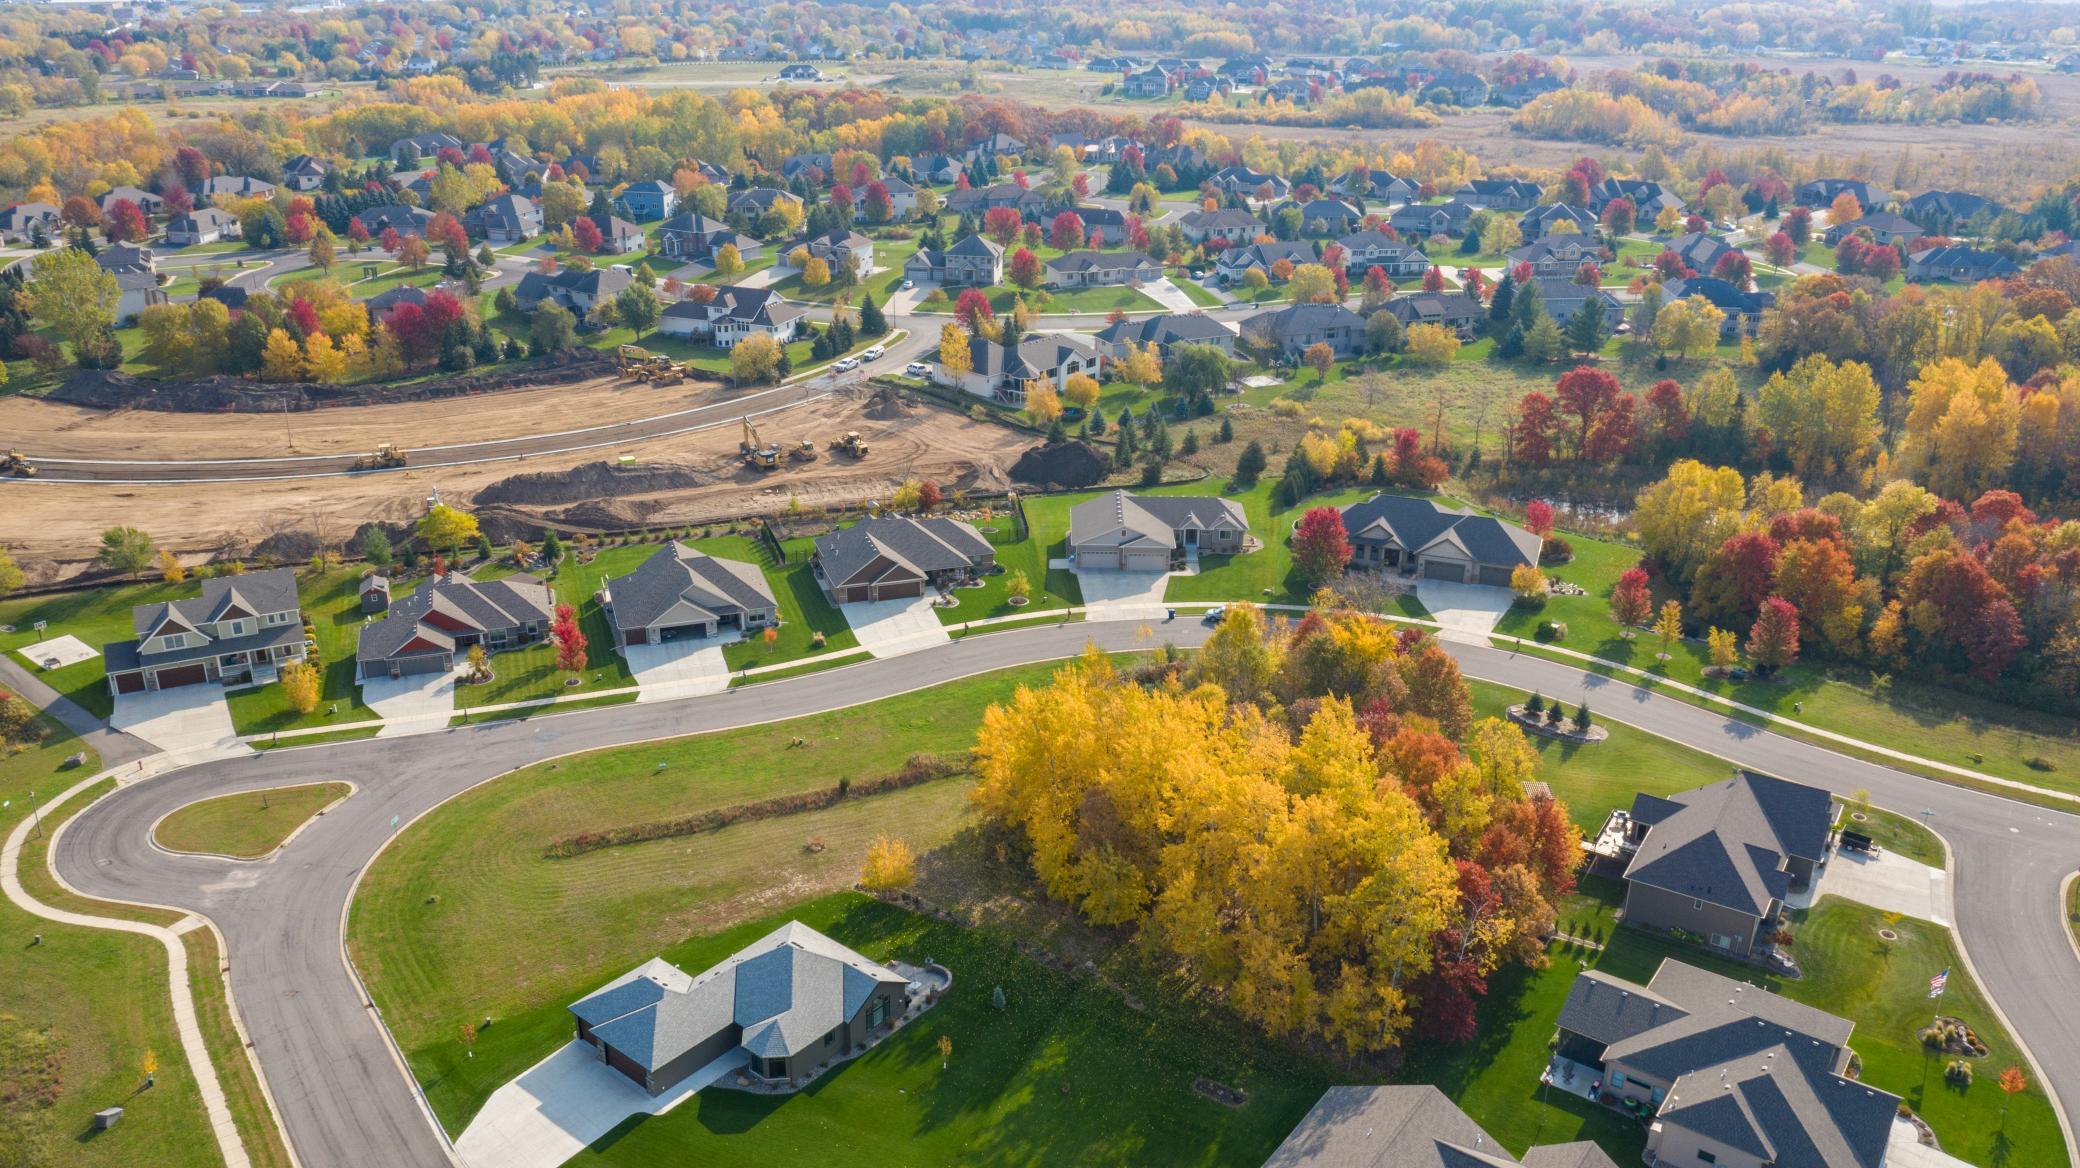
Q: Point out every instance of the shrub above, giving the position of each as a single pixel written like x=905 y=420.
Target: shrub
x=2040 y=763
x=1555 y=550
x=1958 y=1073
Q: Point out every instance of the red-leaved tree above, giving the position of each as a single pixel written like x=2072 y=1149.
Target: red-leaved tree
x=1632 y=602
x=1321 y=547
x=1773 y=640
x=972 y=308
x=569 y=640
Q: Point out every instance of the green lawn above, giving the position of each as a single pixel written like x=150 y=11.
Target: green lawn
x=332 y=604
x=1931 y=721
x=246 y=825
x=1199 y=293
x=96 y=616
x=1900 y=835
x=2073 y=909
x=1070 y=1072
x=1051 y=587
x=1850 y=971
x=1065 y=300
x=463 y=916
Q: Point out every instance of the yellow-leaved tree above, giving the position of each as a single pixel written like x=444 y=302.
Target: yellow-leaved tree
x=889 y=865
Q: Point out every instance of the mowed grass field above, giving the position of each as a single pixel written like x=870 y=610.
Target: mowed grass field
x=248 y=824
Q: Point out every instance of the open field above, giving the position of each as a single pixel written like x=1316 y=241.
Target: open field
x=246 y=825
x=60 y=522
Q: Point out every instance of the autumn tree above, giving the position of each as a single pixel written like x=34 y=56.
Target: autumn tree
x=127 y=550
x=755 y=360
x=1321 y=547
x=1773 y=640
x=1024 y=269
x=1632 y=600
x=171 y=570
x=1961 y=426
x=890 y=866
x=1688 y=326
x=1721 y=648
x=447 y=528
x=1431 y=345
x=1823 y=415
x=569 y=640
x=1669 y=626
x=955 y=356
x=1320 y=358
x=302 y=686
x=68 y=293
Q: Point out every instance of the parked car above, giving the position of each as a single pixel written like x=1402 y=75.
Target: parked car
x=908 y=284
x=845 y=364
x=1215 y=614
x=917 y=369
x=873 y=354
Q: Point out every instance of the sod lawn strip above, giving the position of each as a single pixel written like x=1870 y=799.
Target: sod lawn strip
x=247 y=825
x=1049 y=587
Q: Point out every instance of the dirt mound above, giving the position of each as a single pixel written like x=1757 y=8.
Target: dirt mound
x=1061 y=464
x=887 y=405
x=288 y=546
x=593 y=480
x=109 y=390
x=606 y=515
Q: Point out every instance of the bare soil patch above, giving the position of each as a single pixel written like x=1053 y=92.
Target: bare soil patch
x=1061 y=465
x=107 y=389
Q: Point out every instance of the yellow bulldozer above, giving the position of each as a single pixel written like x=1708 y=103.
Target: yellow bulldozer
x=385 y=457
x=803 y=451
x=15 y=463
x=851 y=444
x=639 y=364
x=757 y=454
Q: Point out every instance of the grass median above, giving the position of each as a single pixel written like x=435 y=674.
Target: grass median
x=247 y=825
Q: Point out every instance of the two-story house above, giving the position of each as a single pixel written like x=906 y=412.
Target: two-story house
x=240 y=630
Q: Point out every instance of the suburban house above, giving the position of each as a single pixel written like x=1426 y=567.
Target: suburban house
x=815 y=167
x=240 y=630
x=1743 y=309
x=893 y=557
x=434 y=627
x=998 y=145
x=777 y=1008
x=409 y=151
x=139 y=291
x=406 y=220
x=1103 y=226
x=644 y=201
x=693 y=236
x=735 y=313
x=757 y=201
x=1089 y=269
x=1153 y=532
x=226 y=186
x=1453 y=310
x=1150 y=82
x=1416 y=537
x=1296 y=327
x=1539 y=222
x=1732 y=1074
x=203 y=225
x=1365 y=250
x=575 y=290
x=938 y=168
x=802 y=71
x=304 y=173
x=508 y=218
x=1250 y=184
x=1165 y=332
x=617 y=236
x=838 y=248
x=1377 y=184
x=1700 y=252
x=389 y=300
x=120 y=258
x=1227 y=223
x=1648 y=198
x=151 y=204
x=1563 y=298
x=1884 y=226
x=1411 y=1126
x=902 y=200
x=1234 y=261
x=1716 y=862
x=1959 y=265
x=1420 y=219
x=1500 y=194
x=682 y=592
x=974 y=261
x=1822 y=192
x=1030 y=203
x=1001 y=374
x=1943 y=212
x=1323 y=216
x=21 y=221
x=1558 y=254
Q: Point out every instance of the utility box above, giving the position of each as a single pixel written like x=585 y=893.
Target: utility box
x=106 y=1118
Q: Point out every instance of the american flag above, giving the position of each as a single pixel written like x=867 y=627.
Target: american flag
x=1935 y=984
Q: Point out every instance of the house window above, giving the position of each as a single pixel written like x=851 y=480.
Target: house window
x=1697 y=904
x=877 y=1013
x=1618 y=1079
x=1704 y=1157
x=830 y=1038
x=175 y=640
x=238 y=628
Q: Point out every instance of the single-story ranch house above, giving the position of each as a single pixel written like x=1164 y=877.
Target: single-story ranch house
x=681 y=591
x=427 y=631
x=1000 y=373
x=788 y=1002
x=892 y=557
x=1734 y=1075
x=1152 y=532
x=1418 y=538
x=240 y=630
x=1410 y=1126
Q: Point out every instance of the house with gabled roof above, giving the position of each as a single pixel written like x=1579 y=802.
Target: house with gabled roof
x=691 y=235
x=1700 y=251
x=998 y=145
x=1822 y=192
x=776 y=1009
x=1959 y=265
x=1419 y=219
x=756 y=201
x=1295 y=328
x=434 y=628
x=1501 y=194
x=505 y=218
x=228 y=186
x=1091 y=269
x=578 y=291
x=1648 y=198
x=1000 y=373
x=682 y=592
x=1732 y=1074
x=1743 y=309
x=1251 y=183
x=407 y=220
x=22 y=221
x=1234 y=261
x=1398 y=258
x=735 y=313
x=202 y=225
x=975 y=261
x=305 y=172
x=1560 y=254
x=1454 y=310
x=1228 y=223
x=1326 y=216
x=1416 y=537
x=1539 y=221
x=1165 y=331
x=894 y=557
x=1944 y=212
x=1410 y=1126
x=146 y=201
x=644 y=201
x=1717 y=862
x=240 y=630
x=1124 y=532
x=1887 y=227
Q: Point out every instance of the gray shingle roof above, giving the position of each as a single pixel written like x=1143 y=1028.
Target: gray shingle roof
x=273 y=590
x=781 y=992
x=1101 y=261
x=1726 y=842
x=923 y=545
x=1170 y=328
x=1402 y=1127
x=681 y=584
x=1417 y=523
x=1118 y=519
x=1300 y=320
x=505 y=604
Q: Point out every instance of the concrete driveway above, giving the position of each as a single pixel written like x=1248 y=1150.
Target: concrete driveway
x=1111 y=594
x=414 y=704
x=559 y=1106
x=192 y=721
x=888 y=627
x=1467 y=612
x=1170 y=296
x=680 y=669
x=1889 y=882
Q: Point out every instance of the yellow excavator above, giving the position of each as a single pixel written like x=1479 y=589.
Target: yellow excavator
x=15 y=463
x=757 y=453
x=851 y=444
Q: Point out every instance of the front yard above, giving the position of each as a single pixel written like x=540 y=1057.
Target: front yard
x=1051 y=587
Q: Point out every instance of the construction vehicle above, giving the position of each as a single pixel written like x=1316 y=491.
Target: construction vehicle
x=803 y=451
x=385 y=457
x=756 y=453
x=851 y=444
x=14 y=463
x=633 y=361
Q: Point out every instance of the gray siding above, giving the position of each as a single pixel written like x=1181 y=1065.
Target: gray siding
x=1659 y=909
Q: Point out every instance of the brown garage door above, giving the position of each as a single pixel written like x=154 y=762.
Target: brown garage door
x=1499 y=577
x=426 y=663
x=182 y=675
x=898 y=591
x=129 y=682
x=1443 y=570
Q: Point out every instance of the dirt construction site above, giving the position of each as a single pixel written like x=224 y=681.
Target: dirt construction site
x=694 y=476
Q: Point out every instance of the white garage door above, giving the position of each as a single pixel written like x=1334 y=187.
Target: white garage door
x=1444 y=570
x=1145 y=560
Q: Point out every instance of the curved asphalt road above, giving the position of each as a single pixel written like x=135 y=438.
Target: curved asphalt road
x=345 y=1102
